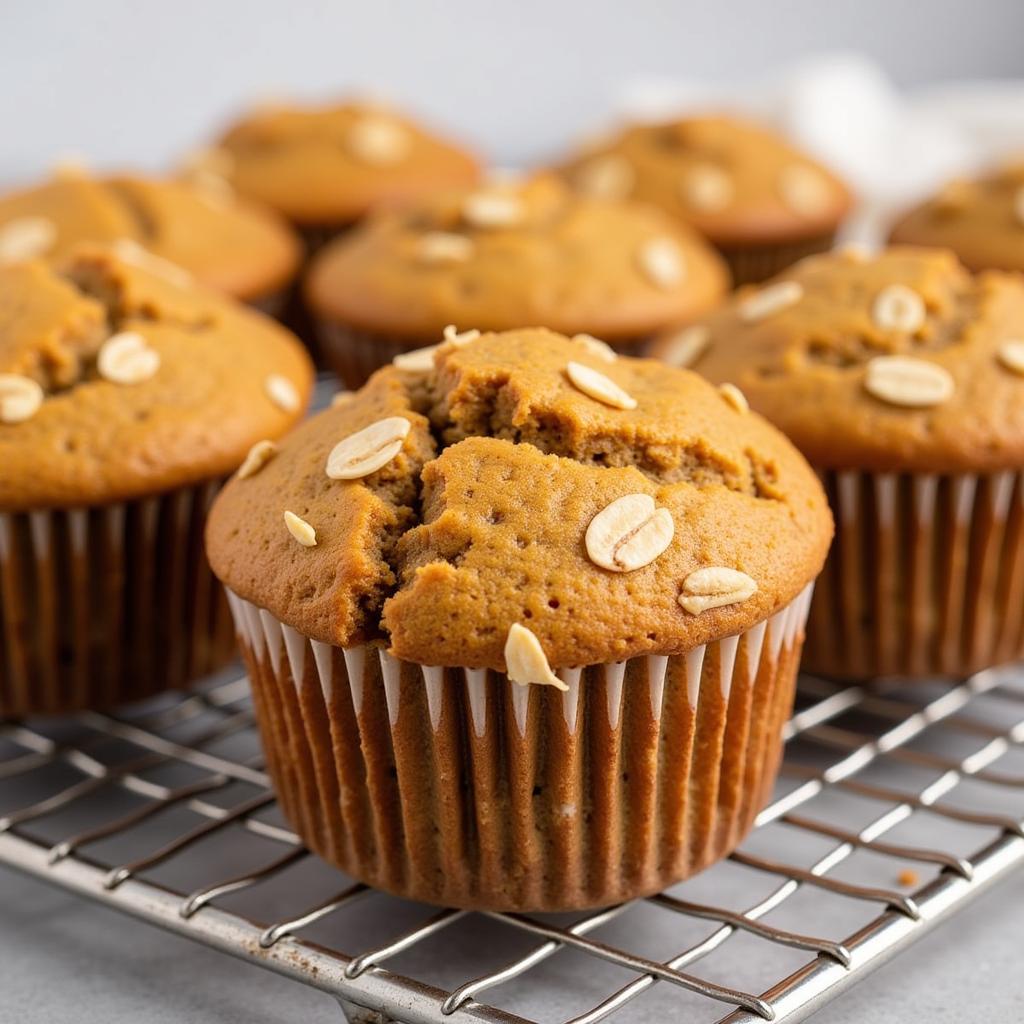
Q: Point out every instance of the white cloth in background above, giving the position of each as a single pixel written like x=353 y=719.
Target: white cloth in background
x=892 y=146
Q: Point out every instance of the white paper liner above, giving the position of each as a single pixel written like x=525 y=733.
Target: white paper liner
x=100 y=605
x=925 y=577
x=457 y=786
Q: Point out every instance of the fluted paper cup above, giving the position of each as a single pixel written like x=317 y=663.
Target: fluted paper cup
x=355 y=355
x=272 y=305
x=101 y=605
x=458 y=787
x=925 y=577
x=756 y=263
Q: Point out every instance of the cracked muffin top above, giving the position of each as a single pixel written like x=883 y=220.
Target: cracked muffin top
x=119 y=380
x=735 y=182
x=896 y=361
x=224 y=243
x=982 y=221
x=609 y=506
x=514 y=253
x=328 y=165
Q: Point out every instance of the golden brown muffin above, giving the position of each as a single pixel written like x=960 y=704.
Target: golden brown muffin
x=418 y=561
x=901 y=377
x=509 y=254
x=126 y=396
x=981 y=221
x=224 y=243
x=762 y=203
x=324 y=167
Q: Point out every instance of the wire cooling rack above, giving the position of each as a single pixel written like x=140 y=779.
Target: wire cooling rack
x=894 y=809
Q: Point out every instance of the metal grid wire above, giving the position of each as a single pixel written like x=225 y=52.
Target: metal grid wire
x=111 y=807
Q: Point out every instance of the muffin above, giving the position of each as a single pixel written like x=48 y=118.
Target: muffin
x=509 y=254
x=981 y=221
x=323 y=167
x=126 y=397
x=224 y=243
x=901 y=378
x=523 y=625
x=762 y=203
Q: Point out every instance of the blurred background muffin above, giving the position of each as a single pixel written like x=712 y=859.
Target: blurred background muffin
x=523 y=625
x=324 y=167
x=509 y=253
x=760 y=201
x=222 y=242
x=981 y=220
x=127 y=395
x=900 y=376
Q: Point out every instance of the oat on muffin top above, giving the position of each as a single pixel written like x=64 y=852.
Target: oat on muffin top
x=515 y=253
x=524 y=481
x=118 y=381
x=735 y=182
x=328 y=165
x=896 y=361
x=224 y=243
x=982 y=221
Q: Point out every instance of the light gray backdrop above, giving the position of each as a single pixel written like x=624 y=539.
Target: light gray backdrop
x=135 y=81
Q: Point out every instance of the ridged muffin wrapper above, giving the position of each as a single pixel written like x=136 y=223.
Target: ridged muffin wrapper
x=925 y=577
x=272 y=304
x=354 y=354
x=459 y=787
x=106 y=604
x=292 y=309
x=756 y=263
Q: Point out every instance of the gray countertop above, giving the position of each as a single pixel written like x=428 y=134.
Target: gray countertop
x=63 y=958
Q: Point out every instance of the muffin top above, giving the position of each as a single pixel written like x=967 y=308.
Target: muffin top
x=525 y=480
x=328 y=165
x=516 y=253
x=982 y=221
x=733 y=181
x=223 y=242
x=900 y=361
x=118 y=380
